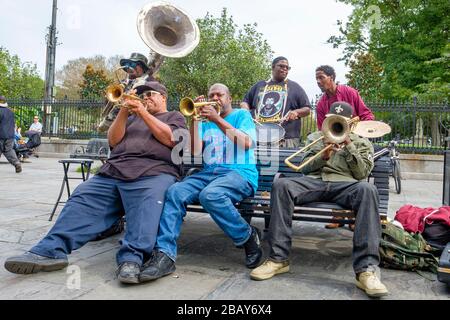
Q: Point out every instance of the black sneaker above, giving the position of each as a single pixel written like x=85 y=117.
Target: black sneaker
x=31 y=263
x=128 y=272
x=253 y=251
x=18 y=168
x=158 y=266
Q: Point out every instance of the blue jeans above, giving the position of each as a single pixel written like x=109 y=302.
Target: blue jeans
x=217 y=190
x=95 y=205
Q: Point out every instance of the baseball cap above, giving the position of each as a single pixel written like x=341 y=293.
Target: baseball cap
x=341 y=108
x=151 y=85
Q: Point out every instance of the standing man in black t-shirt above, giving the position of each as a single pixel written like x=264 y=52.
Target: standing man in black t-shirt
x=135 y=178
x=279 y=100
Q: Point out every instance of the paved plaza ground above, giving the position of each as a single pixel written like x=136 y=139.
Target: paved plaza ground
x=208 y=266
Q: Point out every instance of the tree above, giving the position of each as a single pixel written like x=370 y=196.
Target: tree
x=19 y=79
x=236 y=58
x=70 y=75
x=366 y=75
x=94 y=83
x=408 y=38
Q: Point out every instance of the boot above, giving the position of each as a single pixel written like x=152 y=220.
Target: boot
x=253 y=251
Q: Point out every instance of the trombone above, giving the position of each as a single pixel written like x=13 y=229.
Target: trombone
x=189 y=108
x=335 y=129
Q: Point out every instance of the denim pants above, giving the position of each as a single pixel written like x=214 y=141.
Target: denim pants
x=94 y=206
x=361 y=197
x=217 y=190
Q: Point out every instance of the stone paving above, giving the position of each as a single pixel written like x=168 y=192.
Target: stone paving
x=208 y=266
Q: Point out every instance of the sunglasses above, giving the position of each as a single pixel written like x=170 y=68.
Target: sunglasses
x=149 y=94
x=130 y=65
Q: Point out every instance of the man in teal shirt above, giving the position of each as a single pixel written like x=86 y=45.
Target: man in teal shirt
x=229 y=175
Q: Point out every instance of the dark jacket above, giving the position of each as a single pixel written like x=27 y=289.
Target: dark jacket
x=6 y=123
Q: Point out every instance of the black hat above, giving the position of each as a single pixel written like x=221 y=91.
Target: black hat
x=151 y=85
x=341 y=108
x=136 y=57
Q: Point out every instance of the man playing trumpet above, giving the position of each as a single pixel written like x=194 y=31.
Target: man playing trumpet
x=339 y=176
x=134 y=179
x=226 y=179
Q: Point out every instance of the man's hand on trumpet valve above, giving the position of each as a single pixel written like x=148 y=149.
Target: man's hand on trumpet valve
x=209 y=112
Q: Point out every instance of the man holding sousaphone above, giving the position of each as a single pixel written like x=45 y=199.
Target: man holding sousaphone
x=137 y=72
x=338 y=175
x=227 y=177
x=277 y=106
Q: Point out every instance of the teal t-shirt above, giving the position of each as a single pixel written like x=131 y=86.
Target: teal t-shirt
x=220 y=151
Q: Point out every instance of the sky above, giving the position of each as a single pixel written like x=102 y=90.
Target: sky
x=296 y=29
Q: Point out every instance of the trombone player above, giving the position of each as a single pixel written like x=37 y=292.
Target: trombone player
x=338 y=175
x=138 y=72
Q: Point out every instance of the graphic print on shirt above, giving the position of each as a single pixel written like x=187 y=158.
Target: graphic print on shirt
x=271 y=102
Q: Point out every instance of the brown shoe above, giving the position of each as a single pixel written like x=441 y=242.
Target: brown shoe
x=268 y=269
x=334 y=225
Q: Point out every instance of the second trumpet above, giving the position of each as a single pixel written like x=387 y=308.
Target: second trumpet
x=189 y=108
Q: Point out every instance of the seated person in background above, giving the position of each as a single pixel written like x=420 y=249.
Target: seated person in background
x=337 y=176
x=135 y=178
x=18 y=138
x=227 y=178
x=36 y=126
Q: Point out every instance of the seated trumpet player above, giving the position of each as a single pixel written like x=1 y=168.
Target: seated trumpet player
x=138 y=72
x=338 y=175
x=226 y=179
x=134 y=179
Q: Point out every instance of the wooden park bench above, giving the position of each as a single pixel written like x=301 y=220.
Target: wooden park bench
x=271 y=166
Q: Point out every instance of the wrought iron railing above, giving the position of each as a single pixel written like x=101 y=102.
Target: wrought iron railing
x=421 y=127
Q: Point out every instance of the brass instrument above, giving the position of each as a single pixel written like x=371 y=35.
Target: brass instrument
x=189 y=108
x=335 y=130
x=115 y=94
x=168 y=31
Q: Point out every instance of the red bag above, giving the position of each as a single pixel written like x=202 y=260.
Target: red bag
x=414 y=218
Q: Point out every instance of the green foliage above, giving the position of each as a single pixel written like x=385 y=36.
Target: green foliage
x=409 y=40
x=236 y=58
x=94 y=83
x=366 y=75
x=19 y=79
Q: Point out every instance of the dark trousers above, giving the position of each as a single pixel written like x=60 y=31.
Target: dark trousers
x=95 y=205
x=361 y=197
x=7 y=148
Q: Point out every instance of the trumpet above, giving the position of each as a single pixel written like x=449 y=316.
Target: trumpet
x=335 y=129
x=189 y=108
x=115 y=93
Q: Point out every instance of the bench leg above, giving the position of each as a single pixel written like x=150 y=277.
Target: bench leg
x=266 y=224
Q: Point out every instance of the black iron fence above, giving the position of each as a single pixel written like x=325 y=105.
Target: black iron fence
x=420 y=127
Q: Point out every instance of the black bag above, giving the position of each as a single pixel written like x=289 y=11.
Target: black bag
x=437 y=235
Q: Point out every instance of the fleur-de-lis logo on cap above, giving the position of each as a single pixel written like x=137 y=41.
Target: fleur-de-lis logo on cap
x=338 y=109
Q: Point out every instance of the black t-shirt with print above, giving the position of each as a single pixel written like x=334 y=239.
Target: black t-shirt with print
x=273 y=101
